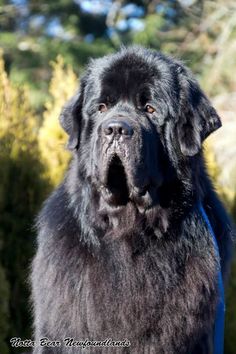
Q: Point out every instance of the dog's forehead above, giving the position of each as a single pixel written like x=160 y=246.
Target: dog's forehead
x=129 y=71
x=128 y=74
x=130 y=68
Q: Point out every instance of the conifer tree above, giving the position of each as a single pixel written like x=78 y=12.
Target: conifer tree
x=52 y=138
x=21 y=192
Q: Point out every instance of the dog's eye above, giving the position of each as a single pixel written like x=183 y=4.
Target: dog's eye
x=102 y=107
x=149 y=109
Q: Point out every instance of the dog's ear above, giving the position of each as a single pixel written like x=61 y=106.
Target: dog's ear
x=70 y=122
x=71 y=116
x=197 y=118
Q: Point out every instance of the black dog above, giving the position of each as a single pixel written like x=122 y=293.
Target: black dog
x=123 y=251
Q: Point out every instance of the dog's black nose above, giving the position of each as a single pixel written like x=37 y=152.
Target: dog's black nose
x=117 y=128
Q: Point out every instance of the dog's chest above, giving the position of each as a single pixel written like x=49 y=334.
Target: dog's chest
x=154 y=293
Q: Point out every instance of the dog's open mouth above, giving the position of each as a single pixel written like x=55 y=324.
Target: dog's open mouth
x=117 y=190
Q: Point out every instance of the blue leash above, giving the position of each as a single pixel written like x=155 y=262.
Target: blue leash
x=220 y=311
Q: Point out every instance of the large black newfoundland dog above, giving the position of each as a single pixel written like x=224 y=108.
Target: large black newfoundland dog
x=123 y=249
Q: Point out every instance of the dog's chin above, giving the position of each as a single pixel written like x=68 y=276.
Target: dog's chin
x=118 y=188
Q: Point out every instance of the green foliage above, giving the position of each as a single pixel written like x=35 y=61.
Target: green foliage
x=52 y=138
x=4 y=311
x=22 y=189
x=151 y=36
x=230 y=320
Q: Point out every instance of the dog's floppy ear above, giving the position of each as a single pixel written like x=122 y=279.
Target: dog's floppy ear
x=197 y=118
x=69 y=122
x=71 y=116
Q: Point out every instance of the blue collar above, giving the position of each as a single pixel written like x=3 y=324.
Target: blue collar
x=220 y=311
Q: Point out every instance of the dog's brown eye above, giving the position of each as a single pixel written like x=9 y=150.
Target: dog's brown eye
x=102 y=107
x=149 y=109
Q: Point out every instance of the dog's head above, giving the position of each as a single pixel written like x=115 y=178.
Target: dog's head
x=137 y=115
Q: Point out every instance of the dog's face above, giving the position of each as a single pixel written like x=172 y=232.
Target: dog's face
x=138 y=114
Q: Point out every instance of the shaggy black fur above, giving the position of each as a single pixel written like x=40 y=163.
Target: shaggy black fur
x=123 y=251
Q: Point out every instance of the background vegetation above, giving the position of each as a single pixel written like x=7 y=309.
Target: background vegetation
x=45 y=46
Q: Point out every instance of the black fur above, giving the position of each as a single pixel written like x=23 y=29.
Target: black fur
x=123 y=251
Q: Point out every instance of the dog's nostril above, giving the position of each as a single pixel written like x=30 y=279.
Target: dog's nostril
x=108 y=130
x=117 y=128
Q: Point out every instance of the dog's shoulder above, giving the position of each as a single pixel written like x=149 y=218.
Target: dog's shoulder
x=56 y=216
